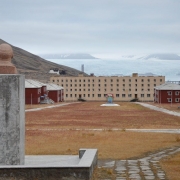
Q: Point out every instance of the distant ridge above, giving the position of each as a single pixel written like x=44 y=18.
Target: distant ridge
x=36 y=67
x=68 y=56
x=163 y=56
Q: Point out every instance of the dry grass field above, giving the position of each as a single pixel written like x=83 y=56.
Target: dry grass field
x=172 y=167
x=53 y=131
x=92 y=115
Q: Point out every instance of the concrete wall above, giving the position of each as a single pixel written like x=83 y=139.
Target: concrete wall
x=12 y=119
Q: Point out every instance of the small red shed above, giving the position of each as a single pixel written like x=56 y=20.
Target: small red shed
x=32 y=92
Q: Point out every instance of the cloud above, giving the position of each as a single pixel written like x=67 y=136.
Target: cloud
x=92 y=26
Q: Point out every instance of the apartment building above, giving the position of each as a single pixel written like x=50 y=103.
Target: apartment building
x=95 y=88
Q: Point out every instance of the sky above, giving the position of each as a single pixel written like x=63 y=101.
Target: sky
x=104 y=28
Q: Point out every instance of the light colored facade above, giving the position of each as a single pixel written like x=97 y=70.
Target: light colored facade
x=95 y=88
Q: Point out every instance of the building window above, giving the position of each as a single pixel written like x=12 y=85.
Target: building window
x=84 y=95
x=88 y=80
x=75 y=95
x=148 y=95
x=105 y=80
x=117 y=84
x=148 y=80
x=148 y=89
x=66 y=85
x=84 y=89
x=123 y=80
x=148 y=85
x=117 y=95
x=79 y=89
x=111 y=85
x=71 y=80
x=66 y=80
x=117 y=89
x=177 y=93
x=53 y=80
x=70 y=89
x=169 y=93
x=129 y=85
x=105 y=85
x=111 y=89
x=66 y=95
x=70 y=95
x=84 y=85
x=123 y=89
x=99 y=85
x=92 y=95
x=79 y=85
x=75 y=80
x=177 y=100
x=129 y=80
x=129 y=89
x=135 y=80
x=117 y=80
x=111 y=80
x=92 y=89
x=88 y=95
x=88 y=85
x=104 y=89
x=84 y=80
x=75 y=85
x=123 y=85
x=169 y=99
x=129 y=95
x=142 y=85
x=142 y=95
x=62 y=85
x=123 y=95
x=154 y=80
x=88 y=89
x=154 y=85
x=93 y=85
x=93 y=80
x=142 y=89
x=75 y=89
x=135 y=89
x=58 y=80
x=80 y=80
x=99 y=89
x=105 y=95
x=160 y=80
x=99 y=95
x=71 y=85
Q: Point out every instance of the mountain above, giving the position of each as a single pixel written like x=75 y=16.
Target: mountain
x=163 y=56
x=35 y=67
x=67 y=56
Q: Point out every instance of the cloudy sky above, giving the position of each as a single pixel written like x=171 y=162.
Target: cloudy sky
x=99 y=27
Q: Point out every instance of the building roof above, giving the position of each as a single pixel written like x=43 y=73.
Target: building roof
x=29 y=83
x=52 y=87
x=168 y=86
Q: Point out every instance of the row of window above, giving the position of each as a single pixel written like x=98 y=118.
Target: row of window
x=99 y=85
x=176 y=99
x=105 y=80
x=104 y=95
x=170 y=93
x=104 y=90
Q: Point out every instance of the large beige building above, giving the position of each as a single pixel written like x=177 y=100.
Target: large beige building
x=95 y=88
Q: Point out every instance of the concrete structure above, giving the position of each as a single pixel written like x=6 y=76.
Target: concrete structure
x=124 y=88
x=32 y=92
x=167 y=93
x=51 y=167
x=55 y=92
x=12 y=119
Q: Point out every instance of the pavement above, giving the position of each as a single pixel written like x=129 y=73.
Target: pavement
x=159 y=109
x=146 y=168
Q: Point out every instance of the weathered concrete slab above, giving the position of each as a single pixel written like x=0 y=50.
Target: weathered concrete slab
x=12 y=119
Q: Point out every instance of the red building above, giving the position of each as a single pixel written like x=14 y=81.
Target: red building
x=55 y=92
x=32 y=92
x=167 y=93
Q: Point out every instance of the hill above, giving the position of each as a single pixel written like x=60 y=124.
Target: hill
x=164 y=56
x=68 y=56
x=35 y=67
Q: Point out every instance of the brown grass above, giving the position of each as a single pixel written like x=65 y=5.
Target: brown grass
x=172 y=167
x=110 y=144
x=92 y=115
